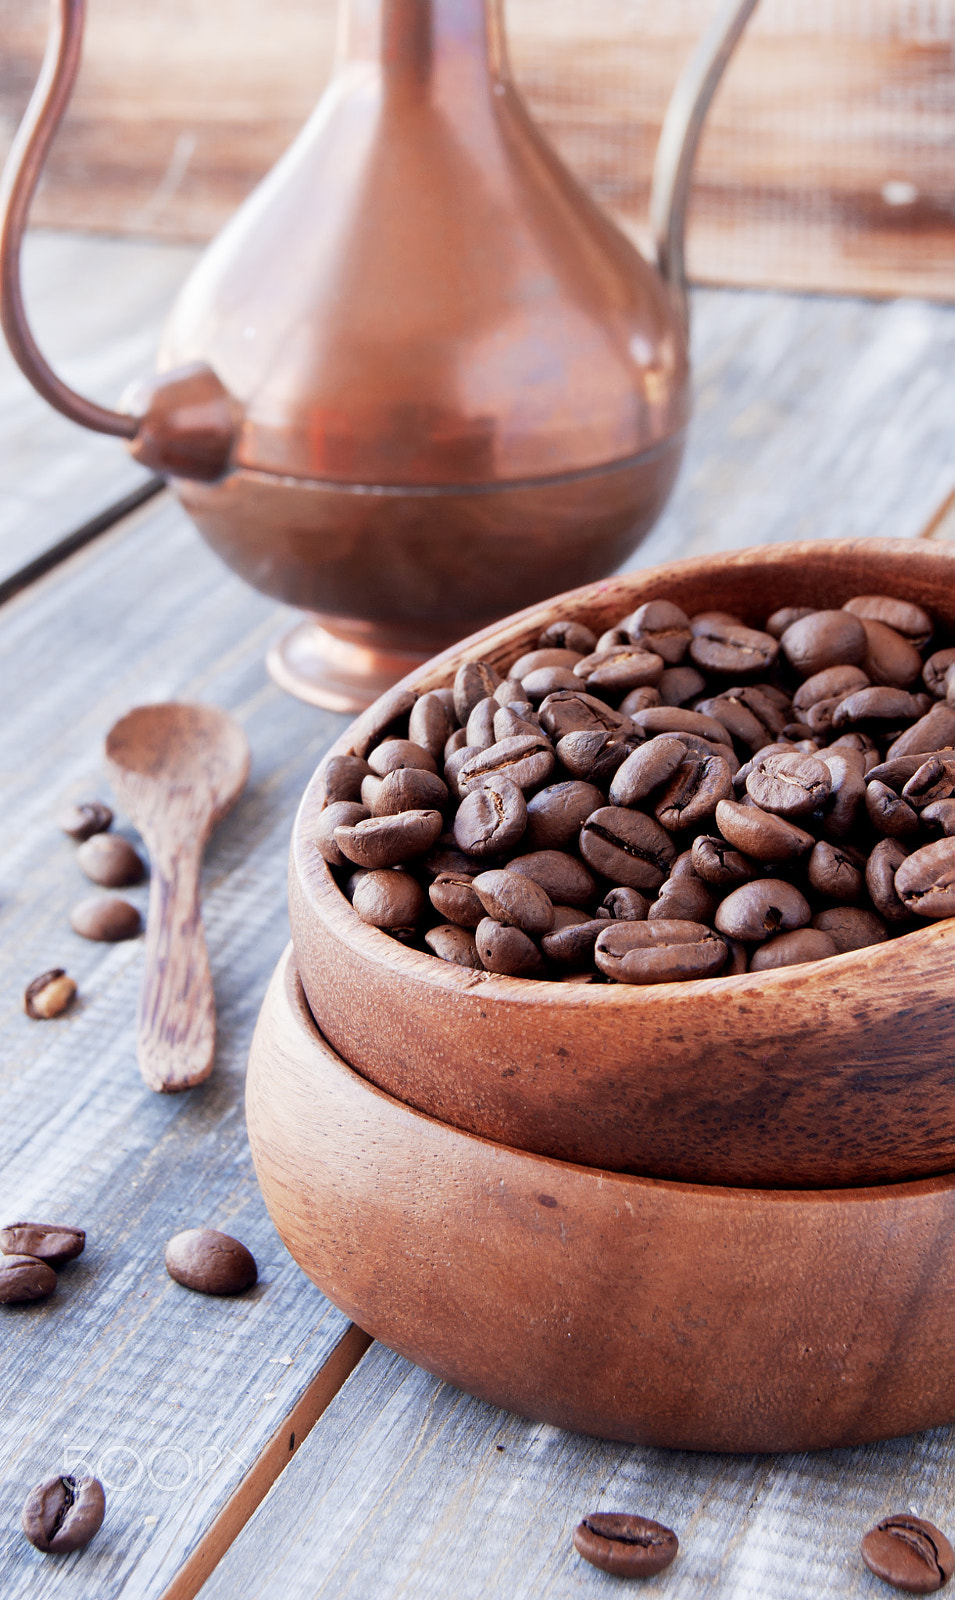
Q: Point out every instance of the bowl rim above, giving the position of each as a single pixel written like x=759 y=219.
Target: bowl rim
x=310 y=873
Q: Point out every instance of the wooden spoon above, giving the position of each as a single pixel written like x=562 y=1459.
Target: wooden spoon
x=176 y=770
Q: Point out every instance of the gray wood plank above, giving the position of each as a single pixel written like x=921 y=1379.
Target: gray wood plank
x=814 y=417
x=97 y=305
x=406 y=1487
x=170 y=1396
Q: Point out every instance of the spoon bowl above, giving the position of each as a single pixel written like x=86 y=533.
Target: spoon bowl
x=176 y=769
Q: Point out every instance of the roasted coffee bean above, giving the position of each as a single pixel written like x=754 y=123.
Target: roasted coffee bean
x=662 y=627
x=210 y=1262
x=780 y=620
x=889 y=813
x=342 y=777
x=896 y=773
x=938 y=819
x=555 y=815
x=925 y=880
x=390 y=899
x=628 y=1546
x=824 y=639
x=789 y=785
x=624 y=905
x=627 y=847
x=527 y=761
x=380 y=717
x=933 y=780
x=548 y=680
x=612 y=639
x=679 y=719
x=408 y=789
x=691 y=795
x=936 y=670
x=759 y=834
x=563 y=878
x=480 y=728
x=618 y=671
x=370 y=790
x=431 y=723
x=909 y=1553
x=876 y=710
x=838 y=874
x=792 y=949
x=567 y=636
x=394 y=754
x=511 y=692
x=846 y=795
x=507 y=951
x=53 y=1242
x=818 y=719
x=544 y=659
x=662 y=951
x=934 y=731
x=389 y=841
x=677 y=685
x=904 y=616
x=84 y=819
x=737 y=958
x=757 y=910
x=880 y=870
x=341 y=813
x=24 y=1278
x=832 y=683
x=492 y=819
x=740 y=722
x=110 y=860
x=454 y=760
x=508 y=723
x=456 y=742
x=729 y=648
x=450 y=943
x=453 y=896
x=640 y=700
x=684 y=899
x=851 y=927
x=889 y=658
x=64 y=1513
x=107 y=918
x=708 y=747
x=595 y=756
x=516 y=901
x=49 y=994
x=716 y=862
x=473 y=681
x=646 y=768
x=571 y=942
x=573 y=710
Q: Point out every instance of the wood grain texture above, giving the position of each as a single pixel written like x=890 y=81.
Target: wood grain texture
x=177 y=770
x=716 y=1318
x=97 y=306
x=824 y=164
x=123 y=1367
x=408 y=1487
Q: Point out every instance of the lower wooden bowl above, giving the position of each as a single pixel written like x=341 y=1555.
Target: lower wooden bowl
x=654 y=1312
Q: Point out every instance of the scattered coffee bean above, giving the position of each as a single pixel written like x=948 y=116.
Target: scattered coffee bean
x=627 y=1546
x=49 y=994
x=210 y=1262
x=106 y=918
x=110 y=860
x=24 y=1278
x=53 y=1242
x=909 y=1553
x=64 y=1513
x=83 y=820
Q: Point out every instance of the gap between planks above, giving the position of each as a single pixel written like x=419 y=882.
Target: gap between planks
x=271 y=1463
x=78 y=537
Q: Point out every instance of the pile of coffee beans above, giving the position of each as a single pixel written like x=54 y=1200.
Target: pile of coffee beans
x=31 y=1253
x=682 y=797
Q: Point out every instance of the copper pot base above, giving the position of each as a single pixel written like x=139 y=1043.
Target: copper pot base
x=320 y=667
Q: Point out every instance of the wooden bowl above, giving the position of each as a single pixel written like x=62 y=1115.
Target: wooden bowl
x=660 y=1313
x=838 y=1072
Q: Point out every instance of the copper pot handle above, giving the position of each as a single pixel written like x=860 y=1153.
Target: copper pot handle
x=679 y=138
x=183 y=423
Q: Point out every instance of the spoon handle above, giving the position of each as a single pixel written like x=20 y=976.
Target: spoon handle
x=176 y=1021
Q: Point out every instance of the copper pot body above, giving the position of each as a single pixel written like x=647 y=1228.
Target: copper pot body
x=460 y=385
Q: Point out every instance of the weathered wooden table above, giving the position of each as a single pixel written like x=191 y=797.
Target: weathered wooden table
x=814 y=417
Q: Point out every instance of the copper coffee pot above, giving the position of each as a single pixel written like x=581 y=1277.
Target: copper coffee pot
x=420 y=379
